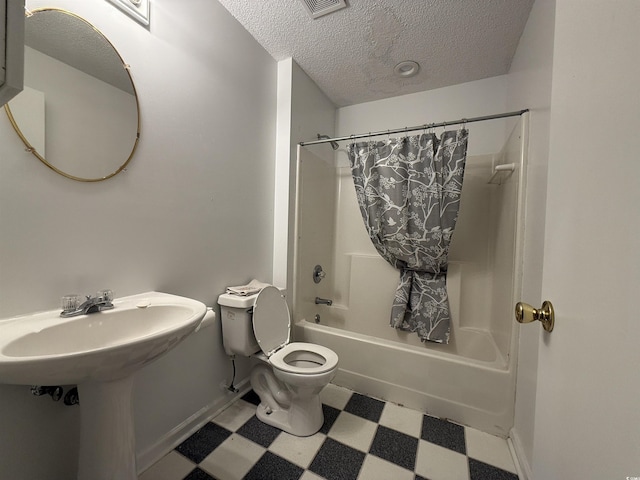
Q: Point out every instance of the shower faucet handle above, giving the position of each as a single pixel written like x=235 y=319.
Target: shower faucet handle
x=318 y=273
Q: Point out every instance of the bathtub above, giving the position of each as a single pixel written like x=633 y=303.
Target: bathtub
x=468 y=383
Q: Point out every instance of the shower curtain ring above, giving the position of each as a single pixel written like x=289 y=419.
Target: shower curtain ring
x=352 y=143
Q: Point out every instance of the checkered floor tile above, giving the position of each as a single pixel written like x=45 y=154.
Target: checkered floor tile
x=362 y=439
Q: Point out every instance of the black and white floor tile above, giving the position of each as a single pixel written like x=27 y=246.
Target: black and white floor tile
x=362 y=439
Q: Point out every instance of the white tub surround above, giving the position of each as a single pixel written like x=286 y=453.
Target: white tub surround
x=472 y=379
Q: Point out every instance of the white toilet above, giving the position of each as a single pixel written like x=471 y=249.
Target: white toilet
x=291 y=375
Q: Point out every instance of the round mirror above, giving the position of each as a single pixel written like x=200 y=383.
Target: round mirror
x=79 y=111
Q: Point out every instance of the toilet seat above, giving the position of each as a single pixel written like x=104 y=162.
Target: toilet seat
x=272 y=326
x=304 y=359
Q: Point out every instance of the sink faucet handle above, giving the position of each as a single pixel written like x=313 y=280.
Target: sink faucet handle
x=70 y=302
x=106 y=295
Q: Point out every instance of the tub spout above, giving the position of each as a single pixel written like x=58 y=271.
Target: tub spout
x=323 y=301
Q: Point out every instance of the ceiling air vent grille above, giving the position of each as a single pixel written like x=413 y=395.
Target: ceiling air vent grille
x=318 y=8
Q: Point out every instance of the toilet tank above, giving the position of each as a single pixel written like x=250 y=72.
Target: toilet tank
x=236 y=314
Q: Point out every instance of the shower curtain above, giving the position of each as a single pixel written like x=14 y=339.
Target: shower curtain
x=408 y=190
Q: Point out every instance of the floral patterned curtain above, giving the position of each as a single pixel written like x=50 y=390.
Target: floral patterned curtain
x=409 y=190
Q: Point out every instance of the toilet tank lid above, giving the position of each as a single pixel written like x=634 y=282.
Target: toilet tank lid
x=237 y=301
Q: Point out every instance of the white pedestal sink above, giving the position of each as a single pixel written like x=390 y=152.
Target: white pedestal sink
x=98 y=352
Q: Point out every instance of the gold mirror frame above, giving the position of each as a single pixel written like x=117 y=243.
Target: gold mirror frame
x=29 y=146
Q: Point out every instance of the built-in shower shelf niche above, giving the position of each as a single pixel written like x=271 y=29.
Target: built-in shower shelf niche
x=501 y=173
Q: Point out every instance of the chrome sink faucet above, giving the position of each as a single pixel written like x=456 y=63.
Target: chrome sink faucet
x=72 y=307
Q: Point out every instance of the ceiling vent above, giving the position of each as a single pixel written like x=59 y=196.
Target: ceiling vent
x=318 y=8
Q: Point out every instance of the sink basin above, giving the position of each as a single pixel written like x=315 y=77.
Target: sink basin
x=46 y=349
x=98 y=352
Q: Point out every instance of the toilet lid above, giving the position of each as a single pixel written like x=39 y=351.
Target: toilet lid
x=271 y=320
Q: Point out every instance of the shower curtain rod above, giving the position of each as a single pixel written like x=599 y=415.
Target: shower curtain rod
x=417 y=127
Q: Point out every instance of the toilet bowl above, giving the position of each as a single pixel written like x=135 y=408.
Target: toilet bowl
x=289 y=376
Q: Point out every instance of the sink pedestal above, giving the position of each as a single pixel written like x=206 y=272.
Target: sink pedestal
x=107 y=438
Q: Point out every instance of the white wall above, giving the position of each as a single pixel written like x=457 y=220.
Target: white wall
x=529 y=86
x=466 y=100
x=192 y=214
x=303 y=112
x=284 y=162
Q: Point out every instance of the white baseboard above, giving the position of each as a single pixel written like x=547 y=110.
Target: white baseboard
x=187 y=428
x=519 y=458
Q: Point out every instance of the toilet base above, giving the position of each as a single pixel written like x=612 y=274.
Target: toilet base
x=298 y=413
x=297 y=420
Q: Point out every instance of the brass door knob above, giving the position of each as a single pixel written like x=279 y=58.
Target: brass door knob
x=525 y=313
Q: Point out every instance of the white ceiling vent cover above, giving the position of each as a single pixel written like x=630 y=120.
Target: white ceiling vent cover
x=318 y=8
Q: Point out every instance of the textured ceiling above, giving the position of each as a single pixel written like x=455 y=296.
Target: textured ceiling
x=351 y=53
